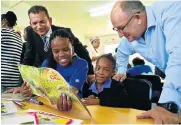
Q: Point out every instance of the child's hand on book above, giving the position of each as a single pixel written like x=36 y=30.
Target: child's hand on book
x=26 y=90
x=64 y=103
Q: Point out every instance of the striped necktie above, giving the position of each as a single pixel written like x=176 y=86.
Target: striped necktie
x=46 y=43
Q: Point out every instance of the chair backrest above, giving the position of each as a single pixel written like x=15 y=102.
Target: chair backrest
x=154 y=79
x=140 y=93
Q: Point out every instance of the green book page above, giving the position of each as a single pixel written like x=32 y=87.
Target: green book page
x=48 y=83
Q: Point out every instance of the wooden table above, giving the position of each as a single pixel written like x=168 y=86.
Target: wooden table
x=100 y=114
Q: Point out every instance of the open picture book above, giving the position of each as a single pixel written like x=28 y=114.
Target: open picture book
x=49 y=84
x=37 y=117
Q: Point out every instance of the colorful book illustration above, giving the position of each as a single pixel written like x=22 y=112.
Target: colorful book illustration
x=37 y=117
x=49 y=118
x=48 y=83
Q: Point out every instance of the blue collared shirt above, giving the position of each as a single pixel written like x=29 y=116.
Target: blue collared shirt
x=161 y=47
x=106 y=84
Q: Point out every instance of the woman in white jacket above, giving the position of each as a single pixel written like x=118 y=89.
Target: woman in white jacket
x=93 y=49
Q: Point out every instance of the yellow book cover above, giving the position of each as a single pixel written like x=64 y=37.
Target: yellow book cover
x=48 y=83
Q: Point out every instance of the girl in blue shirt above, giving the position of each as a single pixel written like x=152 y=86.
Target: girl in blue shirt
x=62 y=58
x=71 y=67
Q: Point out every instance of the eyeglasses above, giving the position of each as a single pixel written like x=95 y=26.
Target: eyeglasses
x=122 y=28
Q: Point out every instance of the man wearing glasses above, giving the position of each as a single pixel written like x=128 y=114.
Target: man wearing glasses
x=155 y=33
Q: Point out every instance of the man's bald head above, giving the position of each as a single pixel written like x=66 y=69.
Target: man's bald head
x=126 y=7
x=127 y=16
x=129 y=7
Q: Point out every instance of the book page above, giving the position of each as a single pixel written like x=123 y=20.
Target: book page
x=34 y=77
x=47 y=82
x=49 y=118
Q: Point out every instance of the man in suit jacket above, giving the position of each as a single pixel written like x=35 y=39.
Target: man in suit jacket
x=38 y=34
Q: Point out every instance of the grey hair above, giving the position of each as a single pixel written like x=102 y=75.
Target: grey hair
x=132 y=7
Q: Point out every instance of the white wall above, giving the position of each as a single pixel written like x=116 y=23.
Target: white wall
x=20 y=11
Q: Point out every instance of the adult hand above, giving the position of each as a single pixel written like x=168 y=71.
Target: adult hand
x=13 y=90
x=64 y=103
x=160 y=116
x=26 y=90
x=119 y=77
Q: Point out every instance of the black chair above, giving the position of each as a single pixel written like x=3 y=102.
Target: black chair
x=156 y=85
x=140 y=92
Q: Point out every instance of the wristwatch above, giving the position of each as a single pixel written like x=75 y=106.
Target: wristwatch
x=172 y=107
